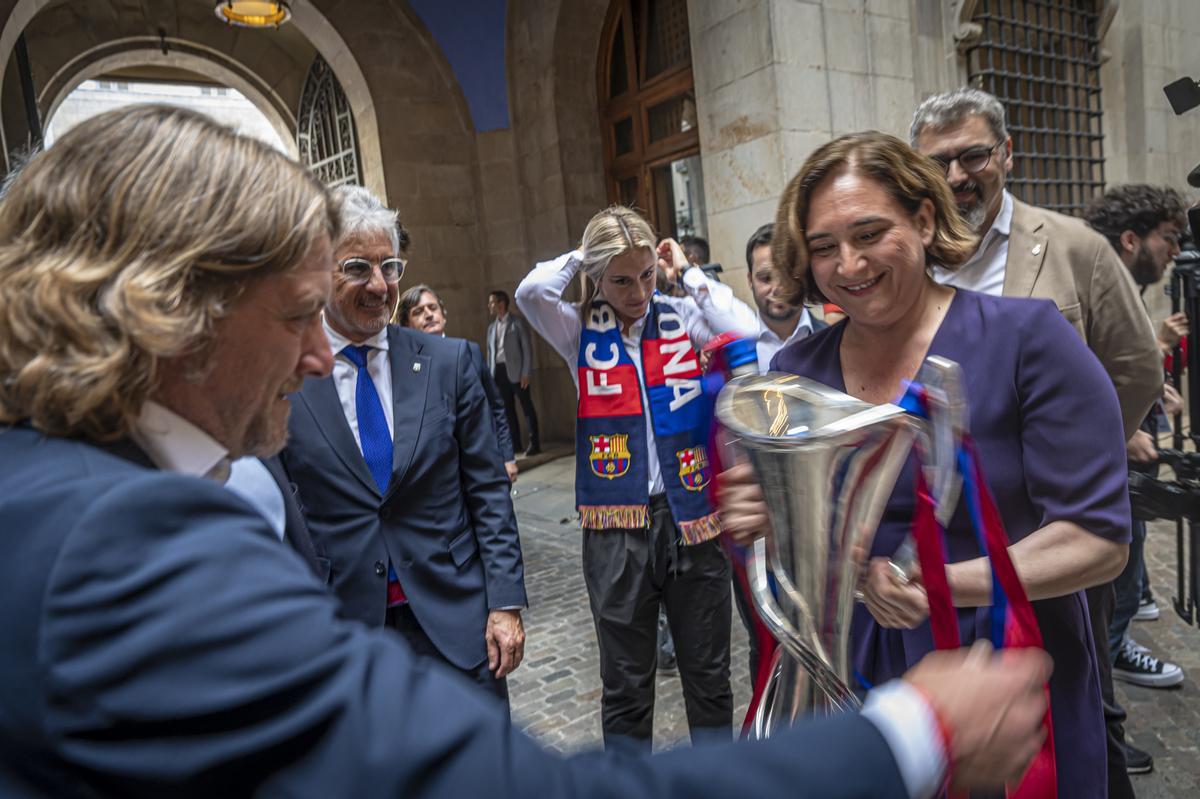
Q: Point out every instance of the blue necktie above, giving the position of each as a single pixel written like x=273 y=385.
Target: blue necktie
x=372 y=424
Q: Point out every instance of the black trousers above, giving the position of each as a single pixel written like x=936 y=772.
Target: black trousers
x=628 y=574
x=747 y=613
x=510 y=392
x=401 y=619
x=1101 y=599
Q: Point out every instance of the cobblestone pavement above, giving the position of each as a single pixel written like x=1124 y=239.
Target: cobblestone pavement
x=556 y=691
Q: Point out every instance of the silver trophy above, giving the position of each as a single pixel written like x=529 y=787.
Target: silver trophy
x=827 y=463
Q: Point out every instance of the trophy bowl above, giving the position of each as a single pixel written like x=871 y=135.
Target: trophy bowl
x=827 y=463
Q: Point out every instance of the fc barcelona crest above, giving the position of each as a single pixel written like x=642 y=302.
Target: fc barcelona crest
x=693 y=468
x=610 y=455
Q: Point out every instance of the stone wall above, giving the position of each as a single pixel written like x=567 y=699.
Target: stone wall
x=1150 y=44
x=775 y=79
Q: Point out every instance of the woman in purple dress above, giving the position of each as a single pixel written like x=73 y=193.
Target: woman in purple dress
x=860 y=226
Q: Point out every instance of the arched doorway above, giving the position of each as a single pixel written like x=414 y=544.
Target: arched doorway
x=648 y=114
x=322 y=35
x=183 y=66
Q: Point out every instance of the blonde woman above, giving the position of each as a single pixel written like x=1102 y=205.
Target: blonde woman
x=649 y=532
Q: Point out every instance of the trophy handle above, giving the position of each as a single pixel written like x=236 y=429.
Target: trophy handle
x=938 y=438
x=838 y=693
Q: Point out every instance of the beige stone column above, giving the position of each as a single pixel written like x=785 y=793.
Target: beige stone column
x=775 y=79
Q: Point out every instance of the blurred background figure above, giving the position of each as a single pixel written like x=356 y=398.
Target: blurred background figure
x=510 y=360
x=422 y=309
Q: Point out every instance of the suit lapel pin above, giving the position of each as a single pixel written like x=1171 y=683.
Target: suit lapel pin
x=1037 y=249
x=416 y=367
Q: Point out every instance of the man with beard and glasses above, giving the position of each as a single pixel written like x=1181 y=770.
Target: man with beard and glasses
x=1025 y=251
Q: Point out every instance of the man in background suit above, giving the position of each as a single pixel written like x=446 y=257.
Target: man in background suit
x=399 y=472
x=510 y=359
x=422 y=309
x=156 y=639
x=1025 y=251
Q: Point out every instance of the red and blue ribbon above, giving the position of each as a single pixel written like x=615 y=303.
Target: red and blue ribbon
x=1013 y=623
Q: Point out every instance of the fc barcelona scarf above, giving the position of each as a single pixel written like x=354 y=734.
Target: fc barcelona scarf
x=611 y=467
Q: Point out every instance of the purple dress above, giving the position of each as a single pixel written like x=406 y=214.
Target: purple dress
x=1047 y=425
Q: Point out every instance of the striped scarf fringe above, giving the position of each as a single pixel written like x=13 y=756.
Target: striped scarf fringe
x=623 y=517
x=700 y=530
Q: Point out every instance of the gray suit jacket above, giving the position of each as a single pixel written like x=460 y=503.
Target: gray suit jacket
x=518 y=349
x=1059 y=258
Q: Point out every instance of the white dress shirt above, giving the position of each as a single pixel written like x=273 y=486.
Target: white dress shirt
x=176 y=445
x=984 y=270
x=250 y=479
x=908 y=725
x=725 y=312
x=345 y=376
x=540 y=298
x=501 y=331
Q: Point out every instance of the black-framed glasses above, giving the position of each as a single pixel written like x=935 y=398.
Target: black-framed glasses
x=972 y=159
x=359 y=270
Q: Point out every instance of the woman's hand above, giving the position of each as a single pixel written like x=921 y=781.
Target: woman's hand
x=671 y=260
x=893 y=601
x=742 y=507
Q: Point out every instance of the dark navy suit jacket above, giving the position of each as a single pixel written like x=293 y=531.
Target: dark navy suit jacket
x=295 y=529
x=495 y=401
x=157 y=640
x=446 y=522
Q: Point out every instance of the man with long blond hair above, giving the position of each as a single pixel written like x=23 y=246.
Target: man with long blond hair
x=161 y=286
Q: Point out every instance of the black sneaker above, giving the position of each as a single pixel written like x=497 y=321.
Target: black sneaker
x=1137 y=761
x=1137 y=666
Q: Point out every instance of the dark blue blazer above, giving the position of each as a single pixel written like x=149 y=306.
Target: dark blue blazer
x=495 y=401
x=295 y=529
x=446 y=522
x=156 y=639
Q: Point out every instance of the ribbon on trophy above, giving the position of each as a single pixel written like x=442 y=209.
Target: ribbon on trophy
x=1012 y=621
x=720 y=369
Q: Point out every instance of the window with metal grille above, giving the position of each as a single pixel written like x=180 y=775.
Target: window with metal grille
x=648 y=114
x=1041 y=58
x=325 y=132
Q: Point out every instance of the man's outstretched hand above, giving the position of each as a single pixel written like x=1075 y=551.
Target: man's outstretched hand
x=991 y=705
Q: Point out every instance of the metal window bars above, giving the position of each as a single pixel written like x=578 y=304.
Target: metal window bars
x=1041 y=59
x=325 y=134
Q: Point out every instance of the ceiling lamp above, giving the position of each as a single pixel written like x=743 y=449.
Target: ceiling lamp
x=253 y=13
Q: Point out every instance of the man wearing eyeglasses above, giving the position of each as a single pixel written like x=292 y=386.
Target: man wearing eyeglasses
x=399 y=470
x=1026 y=251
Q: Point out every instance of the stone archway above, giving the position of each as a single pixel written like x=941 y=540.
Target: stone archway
x=319 y=31
x=134 y=53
